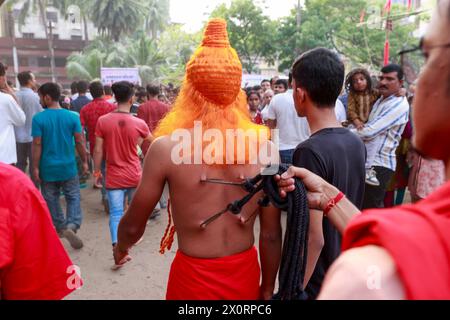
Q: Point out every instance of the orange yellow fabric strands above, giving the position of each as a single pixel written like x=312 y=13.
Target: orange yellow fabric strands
x=211 y=92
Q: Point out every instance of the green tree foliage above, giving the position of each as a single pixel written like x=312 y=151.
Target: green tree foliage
x=335 y=24
x=250 y=32
x=156 y=16
x=114 y=18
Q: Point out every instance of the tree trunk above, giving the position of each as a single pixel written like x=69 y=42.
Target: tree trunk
x=49 y=37
x=86 y=31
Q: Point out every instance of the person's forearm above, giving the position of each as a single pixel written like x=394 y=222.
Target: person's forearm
x=270 y=255
x=98 y=157
x=81 y=150
x=128 y=234
x=36 y=154
x=341 y=214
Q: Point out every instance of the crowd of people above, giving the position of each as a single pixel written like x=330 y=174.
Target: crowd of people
x=351 y=149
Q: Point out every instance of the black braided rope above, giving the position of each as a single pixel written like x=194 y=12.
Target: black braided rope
x=295 y=245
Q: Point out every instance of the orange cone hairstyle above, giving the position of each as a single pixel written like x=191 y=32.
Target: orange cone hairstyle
x=211 y=90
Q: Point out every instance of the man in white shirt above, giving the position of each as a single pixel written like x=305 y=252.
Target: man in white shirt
x=292 y=130
x=11 y=115
x=30 y=104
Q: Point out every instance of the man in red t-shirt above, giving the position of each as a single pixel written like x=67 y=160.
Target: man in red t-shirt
x=89 y=116
x=118 y=135
x=152 y=111
x=401 y=252
x=33 y=262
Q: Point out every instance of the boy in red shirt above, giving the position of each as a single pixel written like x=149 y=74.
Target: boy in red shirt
x=89 y=116
x=118 y=134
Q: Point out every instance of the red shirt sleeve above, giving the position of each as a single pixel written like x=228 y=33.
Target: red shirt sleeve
x=33 y=263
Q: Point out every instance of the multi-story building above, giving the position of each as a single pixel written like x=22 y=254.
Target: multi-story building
x=25 y=46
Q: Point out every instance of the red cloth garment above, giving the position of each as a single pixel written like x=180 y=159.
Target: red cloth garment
x=418 y=239
x=151 y=112
x=33 y=262
x=89 y=116
x=234 y=277
x=121 y=133
x=258 y=118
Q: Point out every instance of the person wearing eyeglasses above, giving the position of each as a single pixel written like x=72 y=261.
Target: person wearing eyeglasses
x=401 y=252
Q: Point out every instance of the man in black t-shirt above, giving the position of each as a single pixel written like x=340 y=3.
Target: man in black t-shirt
x=332 y=152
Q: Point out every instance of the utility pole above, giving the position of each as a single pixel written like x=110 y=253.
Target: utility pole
x=12 y=27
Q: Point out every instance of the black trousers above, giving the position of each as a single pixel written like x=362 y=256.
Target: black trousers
x=24 y=159
x=374 y=196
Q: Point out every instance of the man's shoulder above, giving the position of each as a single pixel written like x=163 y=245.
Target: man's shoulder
x=6 y=99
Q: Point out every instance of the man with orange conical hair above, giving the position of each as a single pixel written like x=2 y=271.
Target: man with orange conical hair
x=209 y=136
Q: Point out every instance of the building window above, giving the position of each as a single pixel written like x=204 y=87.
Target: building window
x=78 y=38
x=60 y=62
x=33 y=62
x=52 y=16
x=43 y=62
x=23 y=62
x=27 y=35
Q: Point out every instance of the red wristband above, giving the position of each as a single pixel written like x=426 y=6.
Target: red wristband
x=332 y=203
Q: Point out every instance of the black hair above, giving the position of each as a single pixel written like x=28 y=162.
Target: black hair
x=3 y=69
x=153 y=90
x=253 y=92
x=24 y=77
x=51 y=89
x=107 y=90
x=351 y=74
x=265 y=80
x=320 y=73
x=140 y=94
x=256 y=88
x=96 y=89
x=393 y=68
x=82 y=87
x=73 y=87
x=283 y=82
x=123 y=91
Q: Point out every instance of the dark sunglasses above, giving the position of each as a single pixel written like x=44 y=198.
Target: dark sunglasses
x=421 y=48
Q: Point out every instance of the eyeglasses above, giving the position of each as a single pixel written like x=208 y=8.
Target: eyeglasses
x=422 y=49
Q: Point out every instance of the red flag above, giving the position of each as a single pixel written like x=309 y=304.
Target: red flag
x=386 y=52
x=363 y=15
x=387 y=6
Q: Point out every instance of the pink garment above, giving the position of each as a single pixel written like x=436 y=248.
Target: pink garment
x=427 y=175
x=431 y=176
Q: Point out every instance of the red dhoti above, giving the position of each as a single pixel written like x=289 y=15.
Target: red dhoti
x=234 y=277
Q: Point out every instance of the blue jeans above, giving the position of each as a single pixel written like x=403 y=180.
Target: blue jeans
x=116 y=199
x=51 y=192
x=286 y=156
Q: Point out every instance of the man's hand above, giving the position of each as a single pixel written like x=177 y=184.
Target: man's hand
x=359 y=125
x=317 y=199
x=120 y=257
x=85 y=168
x=36 y=177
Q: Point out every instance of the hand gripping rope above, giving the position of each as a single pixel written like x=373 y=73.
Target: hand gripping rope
x=295 y=245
